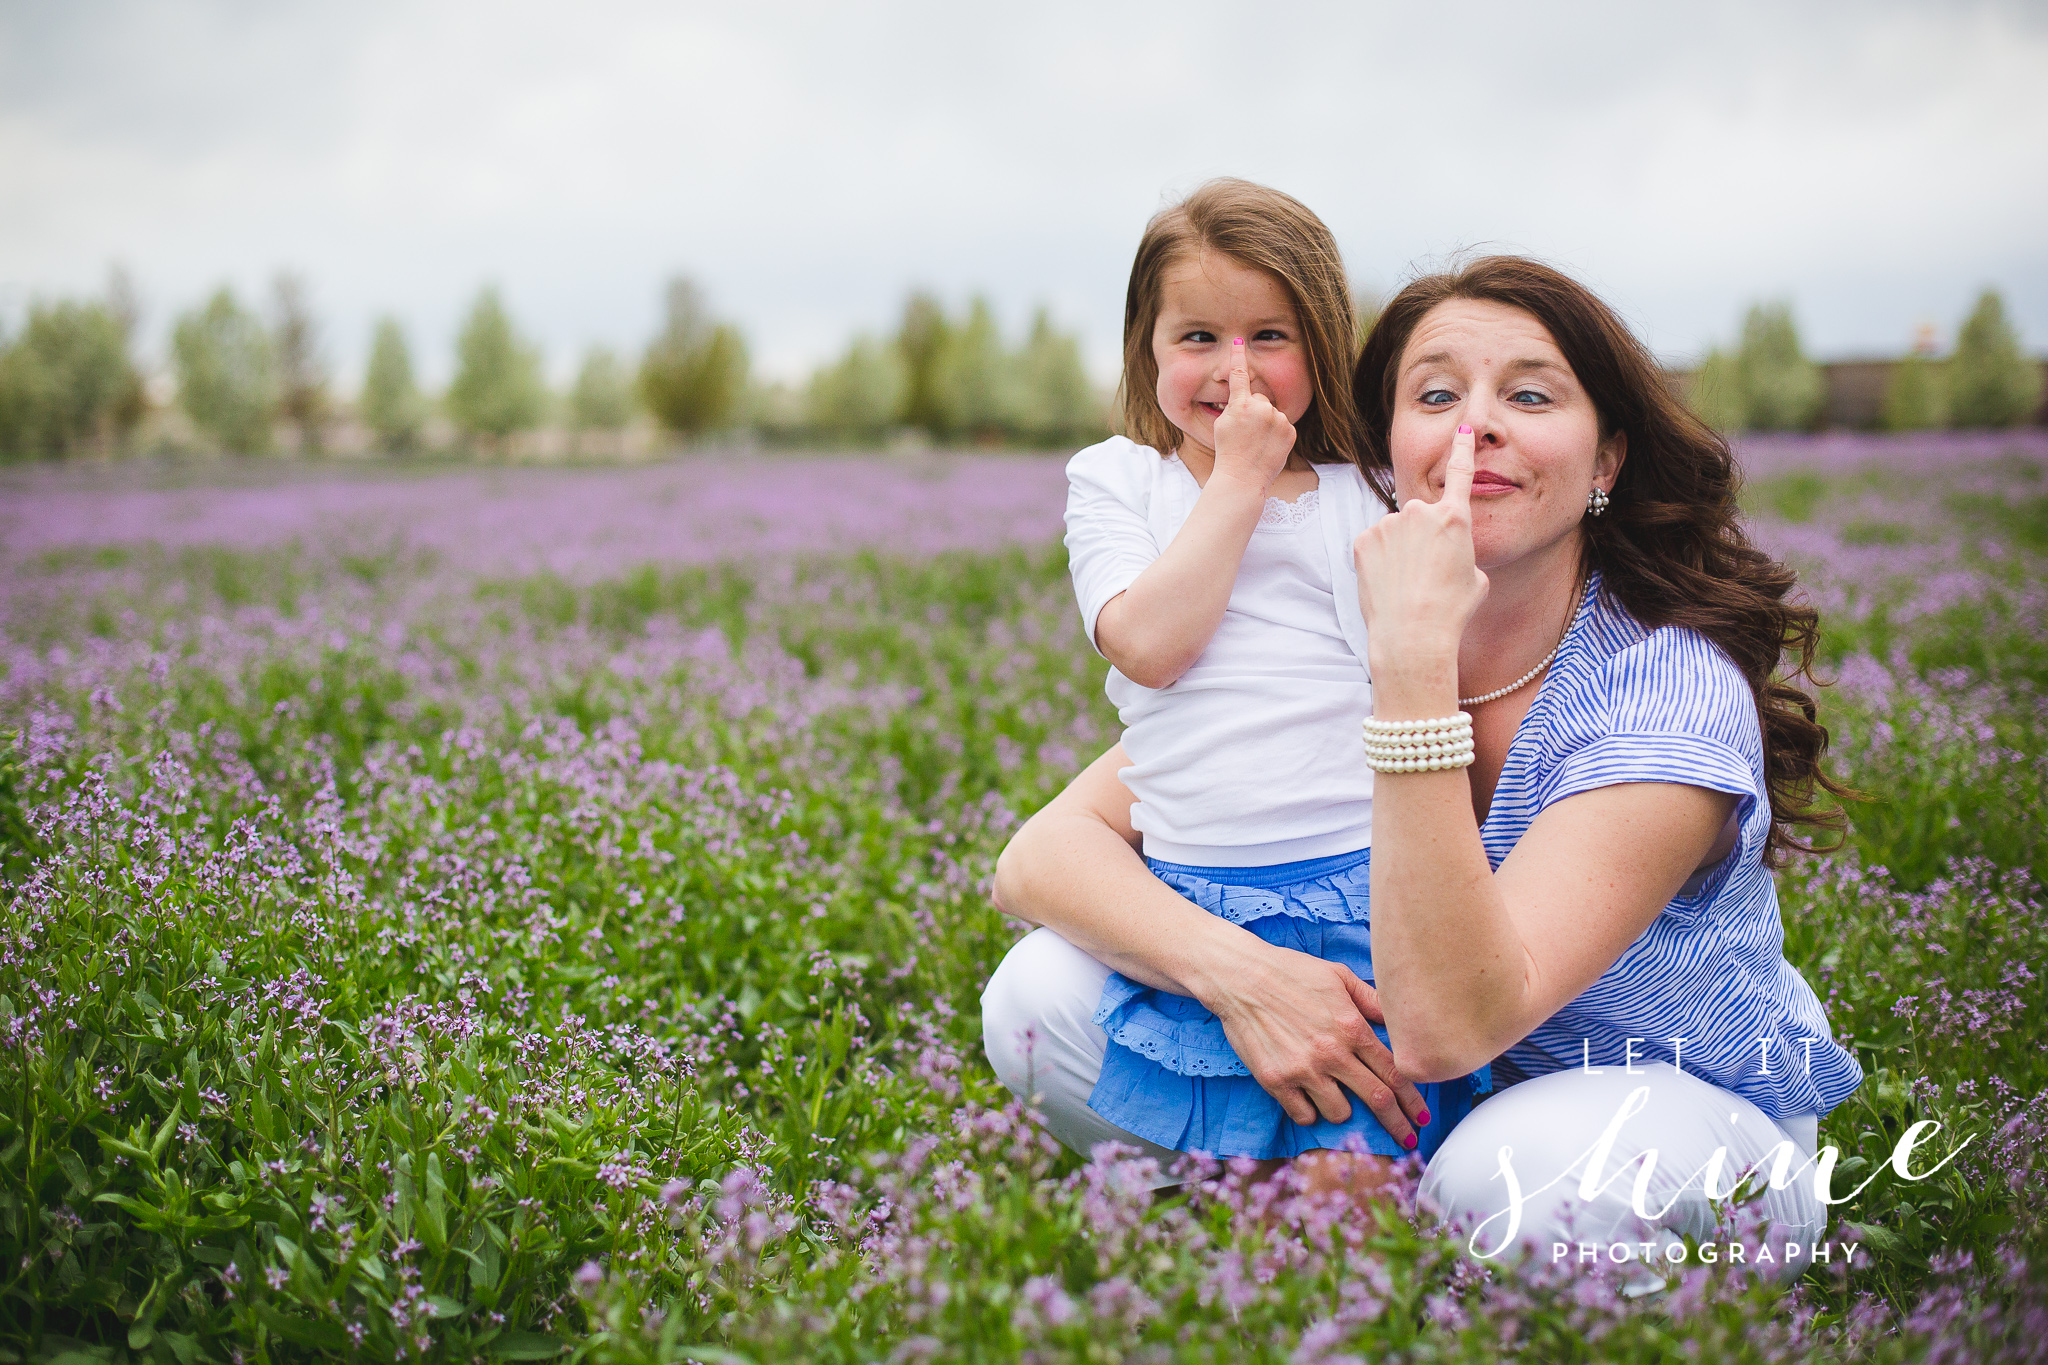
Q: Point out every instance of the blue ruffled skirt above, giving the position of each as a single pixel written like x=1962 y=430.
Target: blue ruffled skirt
x=1171 y=1076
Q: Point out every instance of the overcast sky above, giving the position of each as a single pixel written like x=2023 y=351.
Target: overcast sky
x=1875 y=163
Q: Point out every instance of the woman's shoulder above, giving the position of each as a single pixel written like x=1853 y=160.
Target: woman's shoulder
x=1671 y=680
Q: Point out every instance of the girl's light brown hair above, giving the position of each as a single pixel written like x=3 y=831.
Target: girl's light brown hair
x=1261 y=229
x=1671 y=548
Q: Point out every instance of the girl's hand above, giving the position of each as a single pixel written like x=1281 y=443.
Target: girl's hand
x=1303 y=1027
x=1253 y=438
x=1418 y=582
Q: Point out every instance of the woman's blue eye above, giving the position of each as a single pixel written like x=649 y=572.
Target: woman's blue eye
x=1531 y=394
x=1437 y=396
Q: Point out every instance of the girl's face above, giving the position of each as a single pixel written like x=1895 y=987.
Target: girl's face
x=1539 y=450
x=1207 y=300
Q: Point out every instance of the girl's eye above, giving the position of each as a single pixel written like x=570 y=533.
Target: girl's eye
x=1200 y=337
x=1438 y=397
x=1270 y=334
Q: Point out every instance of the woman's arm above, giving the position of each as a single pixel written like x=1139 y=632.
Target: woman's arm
x=1470 y=961
x=1299 y=1024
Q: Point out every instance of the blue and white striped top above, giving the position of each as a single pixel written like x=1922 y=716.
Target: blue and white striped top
x=1622 y=703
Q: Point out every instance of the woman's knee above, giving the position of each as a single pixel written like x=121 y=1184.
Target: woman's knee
x=1041 y=998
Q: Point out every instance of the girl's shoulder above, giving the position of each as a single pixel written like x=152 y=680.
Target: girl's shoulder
x=1118 y=454
x=1119 y=468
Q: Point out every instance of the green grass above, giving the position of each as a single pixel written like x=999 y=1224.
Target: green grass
x=401 y=966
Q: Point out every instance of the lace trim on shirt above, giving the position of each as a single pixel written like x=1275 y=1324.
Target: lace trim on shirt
x=1289 y=516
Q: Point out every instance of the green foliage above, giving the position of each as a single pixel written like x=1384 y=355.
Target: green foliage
x=67 y=382
x=1915 y=396
x=694 y=375
x=961 y=382
x=857 y=397
x=227 y=374
x=497 y=388
x=602 y=399
x=1717 y=395
x=1056 y=402
x=527 y=969
x=301 y=371
x=984 y=396
x=1768 y=384
x=391 y=404
x=1992 y=383
x=1781 y=389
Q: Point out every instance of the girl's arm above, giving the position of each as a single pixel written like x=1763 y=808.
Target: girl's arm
x=1470 y=961
x=1301 y=1025
x=1155 y=629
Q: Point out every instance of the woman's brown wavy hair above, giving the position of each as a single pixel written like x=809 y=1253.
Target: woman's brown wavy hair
x=1261 y=229
x=1670 y=547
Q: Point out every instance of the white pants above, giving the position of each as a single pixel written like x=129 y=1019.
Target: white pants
x=1036 y=1026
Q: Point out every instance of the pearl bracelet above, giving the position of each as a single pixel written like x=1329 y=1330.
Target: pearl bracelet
x=1413 y=746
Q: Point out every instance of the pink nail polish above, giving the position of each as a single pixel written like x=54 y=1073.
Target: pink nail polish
x=1423 y=1118
x=1409 y=1142
x=1237 y=341
x=1464 y=431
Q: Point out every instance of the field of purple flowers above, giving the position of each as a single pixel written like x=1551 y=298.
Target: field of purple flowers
x=523 y=915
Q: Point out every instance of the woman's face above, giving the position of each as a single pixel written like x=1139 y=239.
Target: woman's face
x=1207 y=300
x=1539 y=452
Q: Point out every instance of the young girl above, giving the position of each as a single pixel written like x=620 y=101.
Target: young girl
x=1212 y=560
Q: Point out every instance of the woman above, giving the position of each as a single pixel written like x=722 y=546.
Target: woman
x=1589 y=904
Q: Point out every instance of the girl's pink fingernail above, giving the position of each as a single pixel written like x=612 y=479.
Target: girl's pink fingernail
x=1237 y=341
x=1423 y=1118
x=1464 y=431
x=1409 y=1142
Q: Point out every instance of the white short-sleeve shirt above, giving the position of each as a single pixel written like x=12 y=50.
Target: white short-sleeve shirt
x=1251 y=758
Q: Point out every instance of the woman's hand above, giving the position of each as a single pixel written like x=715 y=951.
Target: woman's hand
x=1253 y=438
x=1303 y=1028
x=1418 y=581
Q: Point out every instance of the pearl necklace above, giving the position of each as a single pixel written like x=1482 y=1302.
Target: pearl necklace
x=1524 y=680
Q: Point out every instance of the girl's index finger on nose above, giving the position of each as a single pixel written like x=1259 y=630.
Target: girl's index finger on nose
x=1458 y=473
x=1240 y=378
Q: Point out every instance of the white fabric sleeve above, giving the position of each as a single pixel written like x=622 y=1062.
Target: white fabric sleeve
x=1109 y=537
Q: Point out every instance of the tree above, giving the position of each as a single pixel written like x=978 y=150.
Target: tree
x=391 y=405
x=980 y=378
x=1915 y=396
x=67 y=382
x=694 y=373
x=924 y=340
x=227 y=380
x=497 y=388
x=603 y=397
x=1992 y=383
x=1781 y=389
x=1717 y=393
x=857 y=397
x=1056 y=402
x=301 y=371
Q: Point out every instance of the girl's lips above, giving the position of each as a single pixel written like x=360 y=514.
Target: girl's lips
x=1214 y=409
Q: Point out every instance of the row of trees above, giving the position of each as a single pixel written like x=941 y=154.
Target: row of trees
x=1767 y=383
x=69 y=383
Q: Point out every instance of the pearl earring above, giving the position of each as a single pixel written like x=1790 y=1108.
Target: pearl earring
x=1596 y=501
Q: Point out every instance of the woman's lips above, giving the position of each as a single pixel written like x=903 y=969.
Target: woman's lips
x=1492 y=483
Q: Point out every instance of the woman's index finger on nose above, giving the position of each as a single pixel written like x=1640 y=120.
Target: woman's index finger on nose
x=1458 y=473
